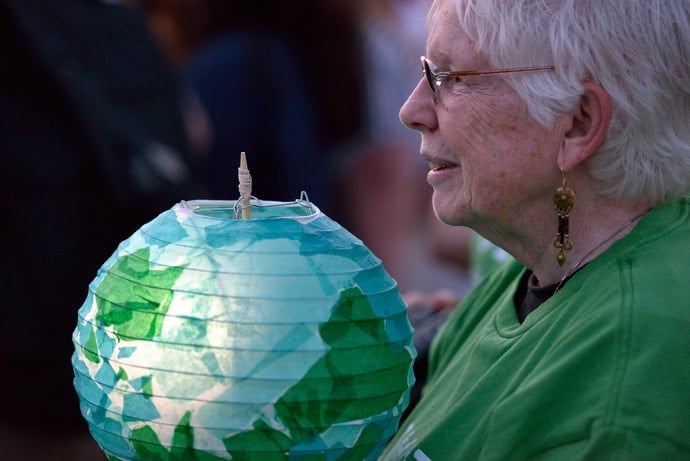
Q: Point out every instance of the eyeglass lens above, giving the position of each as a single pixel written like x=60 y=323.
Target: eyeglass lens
x=429 y=76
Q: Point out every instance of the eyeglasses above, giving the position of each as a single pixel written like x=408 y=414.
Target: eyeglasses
x=434 y=79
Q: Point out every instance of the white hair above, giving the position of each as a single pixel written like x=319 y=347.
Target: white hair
x=637 y=50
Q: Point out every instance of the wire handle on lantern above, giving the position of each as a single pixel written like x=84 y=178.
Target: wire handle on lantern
x=303 y=201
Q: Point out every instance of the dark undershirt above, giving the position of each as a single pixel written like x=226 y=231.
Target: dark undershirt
x=530 y=295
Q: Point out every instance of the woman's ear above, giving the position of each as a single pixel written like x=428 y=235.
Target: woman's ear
x=590 y=122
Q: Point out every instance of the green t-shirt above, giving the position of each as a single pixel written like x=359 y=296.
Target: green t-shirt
x=599 y=371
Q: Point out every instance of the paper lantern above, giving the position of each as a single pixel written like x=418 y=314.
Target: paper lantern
x=208 y=337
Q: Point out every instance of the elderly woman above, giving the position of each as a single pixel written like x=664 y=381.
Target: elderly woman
x=560 y=131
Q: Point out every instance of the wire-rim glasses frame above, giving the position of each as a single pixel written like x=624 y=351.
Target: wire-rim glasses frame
x=434 y=79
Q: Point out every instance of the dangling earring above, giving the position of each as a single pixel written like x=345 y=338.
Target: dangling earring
x=564 y=199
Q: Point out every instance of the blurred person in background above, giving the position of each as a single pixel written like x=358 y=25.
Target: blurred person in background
x=383 y=196
x=261 y=73
x=95 y=144
x=382 y=180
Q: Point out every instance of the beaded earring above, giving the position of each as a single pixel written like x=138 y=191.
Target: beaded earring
x=564 y=199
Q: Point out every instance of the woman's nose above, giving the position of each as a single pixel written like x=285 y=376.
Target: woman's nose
x=418 y=111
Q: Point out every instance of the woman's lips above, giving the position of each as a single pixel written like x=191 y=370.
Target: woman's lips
x=438 y=165
x=440 y=171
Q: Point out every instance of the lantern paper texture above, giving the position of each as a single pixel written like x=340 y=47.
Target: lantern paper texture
x=206 y=337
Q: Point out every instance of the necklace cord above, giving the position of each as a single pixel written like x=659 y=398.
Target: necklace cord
x=604 y=242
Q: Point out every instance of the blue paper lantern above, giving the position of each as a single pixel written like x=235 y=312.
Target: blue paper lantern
x=207 y=337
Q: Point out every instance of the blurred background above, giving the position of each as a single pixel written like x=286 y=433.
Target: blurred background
x=112 y=111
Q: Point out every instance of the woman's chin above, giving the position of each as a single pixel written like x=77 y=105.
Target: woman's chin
x=448 y=210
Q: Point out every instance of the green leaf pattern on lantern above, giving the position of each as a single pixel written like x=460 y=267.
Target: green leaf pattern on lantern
x=308 y=406
x=148 y=447
x=318 y=411
x=129 y=311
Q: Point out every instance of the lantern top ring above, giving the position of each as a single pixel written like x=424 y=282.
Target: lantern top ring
x=301 y=208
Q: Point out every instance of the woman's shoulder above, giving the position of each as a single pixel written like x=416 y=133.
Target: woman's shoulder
x=649 y=269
